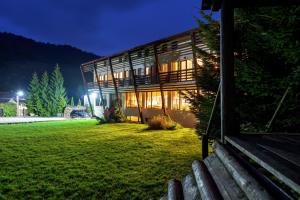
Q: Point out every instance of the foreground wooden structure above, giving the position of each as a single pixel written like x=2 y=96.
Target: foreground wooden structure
x=242 y=165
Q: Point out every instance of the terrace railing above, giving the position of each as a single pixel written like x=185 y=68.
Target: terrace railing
x=165 y=77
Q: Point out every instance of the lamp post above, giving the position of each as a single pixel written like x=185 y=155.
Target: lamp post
x=19 y=94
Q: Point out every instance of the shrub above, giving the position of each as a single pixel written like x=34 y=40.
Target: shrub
x=114 y=114
x=162 y=122
x=10 y=109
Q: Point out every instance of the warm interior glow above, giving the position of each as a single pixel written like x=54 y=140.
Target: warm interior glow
x=174 y=66
x=164 y=68
x=175 y=100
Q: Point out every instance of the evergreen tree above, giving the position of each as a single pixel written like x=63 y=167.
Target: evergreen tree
x=45 y=95
x=267 y=64
x=79 y=102
x=33 y=102
x=58 y=92
x=207 y=79
x=72 y=102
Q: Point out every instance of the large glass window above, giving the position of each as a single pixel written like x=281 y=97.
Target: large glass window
x=148 y=100
x=189 y=70
x=156 y=100
x=175 y=100
x=184 y=104
x=131 y=100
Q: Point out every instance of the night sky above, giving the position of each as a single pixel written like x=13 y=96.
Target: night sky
x=99 y=26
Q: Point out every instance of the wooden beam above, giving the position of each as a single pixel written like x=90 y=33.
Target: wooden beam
x=196 y=66
x=87 y=91
x=159 y=80
x=135 y=88
x=215 y=5
x=227 y=69
x=99 y=86
x=115 y=84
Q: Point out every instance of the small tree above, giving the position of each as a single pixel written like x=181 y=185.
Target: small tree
x=79 y=102
x=58 y=92
x=72 y=102
x=44 y=89
x=33 y=102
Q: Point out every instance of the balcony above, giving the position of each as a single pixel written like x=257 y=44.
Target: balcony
x=179 y=76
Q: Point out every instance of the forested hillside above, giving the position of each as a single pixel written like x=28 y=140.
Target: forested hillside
x=20 y=57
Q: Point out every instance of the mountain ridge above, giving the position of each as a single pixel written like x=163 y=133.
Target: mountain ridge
x=20 y=57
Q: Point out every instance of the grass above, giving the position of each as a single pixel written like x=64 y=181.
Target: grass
x=81 y=160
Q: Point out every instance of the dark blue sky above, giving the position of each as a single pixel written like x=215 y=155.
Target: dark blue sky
x=99 y=26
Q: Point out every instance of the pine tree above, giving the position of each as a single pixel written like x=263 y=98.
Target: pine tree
x=79 y=102
x=33 y=102
x=58 y=92
x=44 y=89
x=72 y=102
x=207 y=79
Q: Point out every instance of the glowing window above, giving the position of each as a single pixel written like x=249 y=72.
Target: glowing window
x=175 y=105
x=131 y=100
x=156 y=100
x=174 y=66
x=164 y=68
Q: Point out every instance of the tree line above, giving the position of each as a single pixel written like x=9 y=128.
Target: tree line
x=46 y=96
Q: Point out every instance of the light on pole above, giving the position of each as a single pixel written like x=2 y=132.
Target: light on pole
x=19 y=94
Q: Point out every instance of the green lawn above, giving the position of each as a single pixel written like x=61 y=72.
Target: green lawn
x=82 y=160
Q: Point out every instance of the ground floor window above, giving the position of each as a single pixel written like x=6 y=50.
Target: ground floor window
x=174 y=100
x=131 y=100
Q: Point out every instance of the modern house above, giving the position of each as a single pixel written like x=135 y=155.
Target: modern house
x=146 y=80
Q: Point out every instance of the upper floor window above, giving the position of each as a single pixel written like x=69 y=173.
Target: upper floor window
x=164 y=48
x=174 y=45
x=139 y=54
x=146 y=52
x=147 y=70
x=164 y=68
x=174 y=66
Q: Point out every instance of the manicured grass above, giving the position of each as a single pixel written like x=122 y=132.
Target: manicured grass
x=81 y=160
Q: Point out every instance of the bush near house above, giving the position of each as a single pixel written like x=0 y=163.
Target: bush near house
x=10 y=109
x=162 y=122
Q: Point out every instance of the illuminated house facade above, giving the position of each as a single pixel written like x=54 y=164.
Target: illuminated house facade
x=146 y=80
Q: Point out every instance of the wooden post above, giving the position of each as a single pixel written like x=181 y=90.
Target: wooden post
x=87 y=91
x=115 y=84
x=193 y=39
x=159 y=80
x=135 y=87
x=227 y=70
x=99 y=86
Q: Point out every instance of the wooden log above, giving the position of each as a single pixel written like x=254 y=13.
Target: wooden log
x=190 y=189
x=205 y=184
x=175 y=190
x=247 y=183
x=224 y=181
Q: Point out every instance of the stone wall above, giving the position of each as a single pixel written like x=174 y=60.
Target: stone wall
x=69 y=109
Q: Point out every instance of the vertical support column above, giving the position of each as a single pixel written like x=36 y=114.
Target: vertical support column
x=135 y=87
x=227 y=69
x=115 y=84
x=193 y=39
x=87 y=91
x=99 y=86
x=159 y=80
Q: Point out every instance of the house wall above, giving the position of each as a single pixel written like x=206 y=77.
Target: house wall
x=184 y=118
